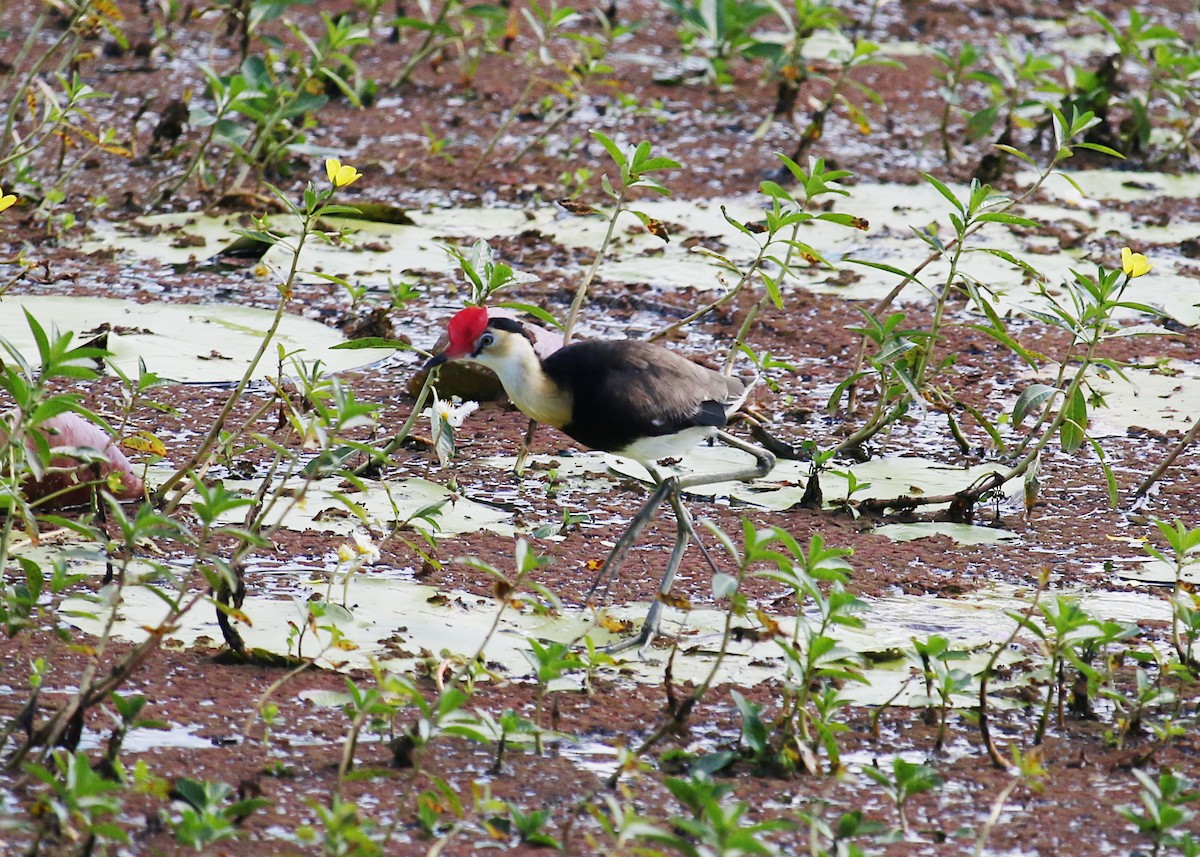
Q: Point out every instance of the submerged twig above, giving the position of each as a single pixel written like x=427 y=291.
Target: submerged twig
x=1187 y=440
x=985 y=732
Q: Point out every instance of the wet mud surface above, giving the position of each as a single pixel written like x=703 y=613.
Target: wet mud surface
x=1072 y=530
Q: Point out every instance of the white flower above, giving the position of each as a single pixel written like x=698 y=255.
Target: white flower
x=444 y=418
x=364 y=547
x=453 y=414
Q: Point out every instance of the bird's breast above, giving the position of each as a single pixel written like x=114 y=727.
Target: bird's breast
x=540 y=399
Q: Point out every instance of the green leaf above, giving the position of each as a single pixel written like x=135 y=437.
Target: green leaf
x=1072 y=182
x=1015 y=152
x=772 y=289
x=1096 y=147
x=535 y=311
x=892 y=348
x=1074 y=427
x=842 y=219
x=256 y=235
x=1031 y=398
x=1139 y=307
x=981 y=123
x=348 y=211
x=1032 y=272
x=649 y=184
x=652 y=164
x=614 y=151
x=1002 y=217
x=723 y=585
x=945 y=191
x=891 y=269
x=374 y=342
x=1110 y=478
x=738 y=225
x=929 y=238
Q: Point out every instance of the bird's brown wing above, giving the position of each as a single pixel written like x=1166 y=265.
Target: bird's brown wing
x=625 y=390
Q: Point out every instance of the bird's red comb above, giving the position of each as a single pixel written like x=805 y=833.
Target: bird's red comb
x=466 y=327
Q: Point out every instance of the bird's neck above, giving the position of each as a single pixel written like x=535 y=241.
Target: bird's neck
x=531 y=389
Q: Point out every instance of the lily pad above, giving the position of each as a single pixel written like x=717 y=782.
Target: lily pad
x=399 y=623
x=963 y=534
x=172 y=239
x=211 y=343
x=1157 y=572
x=321 y=509
x=1163 y=399
x=783 y=488
x=325 y=698
x=372 y=253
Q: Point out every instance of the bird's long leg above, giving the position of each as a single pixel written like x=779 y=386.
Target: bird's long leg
x=616 y=556
x=685 y=529
x=764 y=462
x=683 y=532
x=682 y=514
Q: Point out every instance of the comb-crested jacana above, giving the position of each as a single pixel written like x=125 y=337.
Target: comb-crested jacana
x=622 y=396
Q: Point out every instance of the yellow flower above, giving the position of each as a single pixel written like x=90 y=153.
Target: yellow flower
x=1134 y=264
x=345 y=553
x=341 y=174
x=6 y=199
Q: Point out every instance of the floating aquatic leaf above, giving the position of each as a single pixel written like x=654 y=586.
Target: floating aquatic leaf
x=212 y=343
x=963 y=534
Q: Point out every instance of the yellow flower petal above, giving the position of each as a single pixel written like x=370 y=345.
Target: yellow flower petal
x=7 y=200
x=332 y=165
x=346 y=174
x=1134 y=264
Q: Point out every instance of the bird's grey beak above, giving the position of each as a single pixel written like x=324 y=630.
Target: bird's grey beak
x=435 y=361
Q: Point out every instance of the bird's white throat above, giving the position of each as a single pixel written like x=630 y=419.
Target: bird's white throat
x=527 y=384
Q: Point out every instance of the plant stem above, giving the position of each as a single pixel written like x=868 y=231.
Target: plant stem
x=423 y=49
x=886 y=301
x=985 y=731
x=509 y=118
x=17 y=100
x=405 y=430
x=1186 y=441
x=582 y=289
x=703 y=311
x=202 y=452
x=994 y=816
x=939 y=311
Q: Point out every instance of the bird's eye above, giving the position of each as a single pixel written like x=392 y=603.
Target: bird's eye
x=487 y=340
